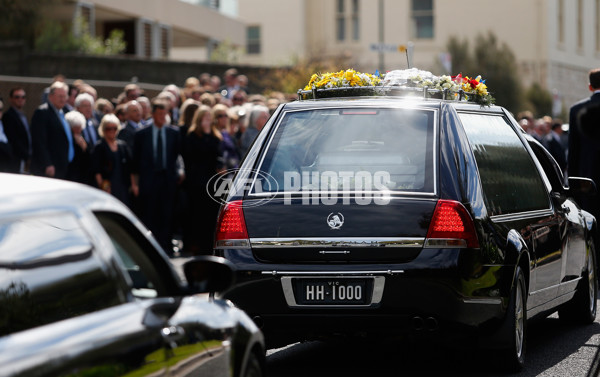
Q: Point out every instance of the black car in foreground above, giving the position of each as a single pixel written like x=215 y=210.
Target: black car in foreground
x=85 y=290
x=403 y=213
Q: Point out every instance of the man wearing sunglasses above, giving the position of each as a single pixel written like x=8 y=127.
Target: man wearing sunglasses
x=16 y=128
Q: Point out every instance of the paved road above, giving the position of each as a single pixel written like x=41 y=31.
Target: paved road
x=554 y=349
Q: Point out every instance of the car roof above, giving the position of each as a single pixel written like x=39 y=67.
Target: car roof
x=25 y=193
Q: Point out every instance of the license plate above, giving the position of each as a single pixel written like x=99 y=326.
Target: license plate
x=333 y=291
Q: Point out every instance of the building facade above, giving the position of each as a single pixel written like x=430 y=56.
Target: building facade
x=555 y=42
x=158 y=29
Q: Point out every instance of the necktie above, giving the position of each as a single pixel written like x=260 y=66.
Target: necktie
x=91 y=132
x=69 y=136
x=159 y=151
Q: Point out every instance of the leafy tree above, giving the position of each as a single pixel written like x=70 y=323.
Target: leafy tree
x=56 y=38
x=290 y=79
x=496 y=64
x=19 y=20
x=226 y=52
x=539 y=100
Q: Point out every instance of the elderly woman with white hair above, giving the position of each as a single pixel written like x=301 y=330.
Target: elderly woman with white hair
x=111 y=160
x=259 y=115
x=79 y=168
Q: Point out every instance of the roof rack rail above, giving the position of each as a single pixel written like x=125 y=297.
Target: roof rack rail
x=361 y=91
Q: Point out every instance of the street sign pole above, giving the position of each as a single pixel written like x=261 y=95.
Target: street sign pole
x=381 y=52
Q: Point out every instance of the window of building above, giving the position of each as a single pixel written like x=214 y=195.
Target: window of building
x=580 y=24
x=147 y=38
x=597 y=26
x=347 y=15
x=84 y=15
x=355 y=20
x=253 y=40
x=561 y=21
x=422 y=19
x=164 y=41
x=341 y=21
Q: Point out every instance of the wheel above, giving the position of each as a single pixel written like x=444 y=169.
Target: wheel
x=253 y=367
x=513 y=357
x=582 y=308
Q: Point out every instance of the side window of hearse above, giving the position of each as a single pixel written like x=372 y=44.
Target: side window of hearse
x=509 y=177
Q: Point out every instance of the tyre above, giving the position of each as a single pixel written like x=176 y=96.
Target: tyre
x=513 y=357
x=583 y=306
x=253 y=367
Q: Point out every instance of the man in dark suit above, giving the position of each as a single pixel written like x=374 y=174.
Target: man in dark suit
x=51 y=136
x=155 y=175
x=133 y=116
x=553 y=143
x=5 y=149
x=84 y=103
x=584 y=145
x=17 y=131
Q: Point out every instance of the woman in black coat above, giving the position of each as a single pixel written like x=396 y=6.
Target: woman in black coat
x=111 y=160
x=203 y=158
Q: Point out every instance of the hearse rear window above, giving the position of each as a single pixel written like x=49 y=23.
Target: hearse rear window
x=352 y=149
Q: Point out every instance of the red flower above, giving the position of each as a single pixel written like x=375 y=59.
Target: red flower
x=458 y=78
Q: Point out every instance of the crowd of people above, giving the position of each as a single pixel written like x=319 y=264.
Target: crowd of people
x=156 y=155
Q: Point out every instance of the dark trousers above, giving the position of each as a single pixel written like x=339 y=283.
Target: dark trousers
x=156 y=209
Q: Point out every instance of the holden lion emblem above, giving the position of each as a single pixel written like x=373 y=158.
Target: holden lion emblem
x=335 y=220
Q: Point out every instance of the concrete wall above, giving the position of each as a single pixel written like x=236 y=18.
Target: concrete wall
x=109 y=75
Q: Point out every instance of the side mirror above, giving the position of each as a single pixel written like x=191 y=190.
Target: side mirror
x=209 y=274
x=583 y=186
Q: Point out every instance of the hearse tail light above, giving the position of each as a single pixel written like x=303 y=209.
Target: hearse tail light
x=451 y=226
x=231 y=227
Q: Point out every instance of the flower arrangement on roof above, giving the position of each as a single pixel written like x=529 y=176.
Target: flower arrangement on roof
x=357 y=84
x=341 y=79
x=474 y=89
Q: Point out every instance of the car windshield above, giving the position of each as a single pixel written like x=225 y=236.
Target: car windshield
x=352 y=149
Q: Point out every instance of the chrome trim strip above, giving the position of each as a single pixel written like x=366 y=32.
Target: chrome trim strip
x=335 y=273
x=522 y=215
x=267 y=243
x=288 y=292
x=446 y=243
x=484 y=301
x=309 y=194
x=232 y=244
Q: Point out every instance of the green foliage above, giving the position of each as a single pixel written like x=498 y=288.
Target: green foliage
x=226 y=52
x=54 y=38
x=19 y=19
x=290 y=79
x=57 y=38
x=539 y=100
x=495 y=62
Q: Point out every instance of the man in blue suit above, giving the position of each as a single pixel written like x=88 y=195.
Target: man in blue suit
x=51 y=138
x=156 y=150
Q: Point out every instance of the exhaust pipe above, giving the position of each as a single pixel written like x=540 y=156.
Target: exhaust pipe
x=431 y=323
x=418 y=323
